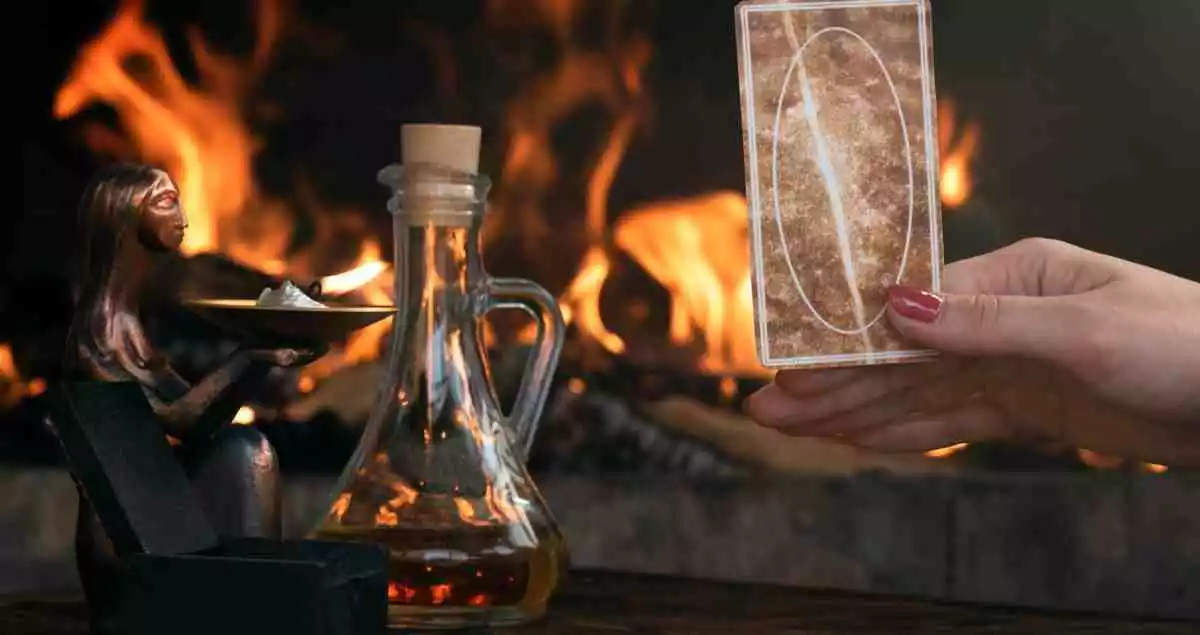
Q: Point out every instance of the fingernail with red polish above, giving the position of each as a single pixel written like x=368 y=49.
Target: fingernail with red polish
x=915 y=304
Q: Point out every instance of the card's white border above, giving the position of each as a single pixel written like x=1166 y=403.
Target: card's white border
x=931 y=169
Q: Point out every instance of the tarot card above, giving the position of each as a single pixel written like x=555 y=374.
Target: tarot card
x=839 y=130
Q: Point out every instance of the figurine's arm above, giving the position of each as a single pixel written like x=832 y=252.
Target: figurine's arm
x=213 y=401
x=203 y=408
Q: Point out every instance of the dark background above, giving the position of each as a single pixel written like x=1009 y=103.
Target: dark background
x=1088 y=112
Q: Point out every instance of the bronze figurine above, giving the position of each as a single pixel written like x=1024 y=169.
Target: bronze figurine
x=129 y=215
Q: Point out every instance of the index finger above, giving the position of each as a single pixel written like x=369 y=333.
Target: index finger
x=1030 y=267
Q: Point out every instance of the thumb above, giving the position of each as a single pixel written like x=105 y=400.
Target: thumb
x=1029 y=326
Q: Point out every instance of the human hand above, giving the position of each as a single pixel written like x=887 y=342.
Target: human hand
x=1042 y=341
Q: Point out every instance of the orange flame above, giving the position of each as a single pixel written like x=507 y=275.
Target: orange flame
x=580 y=77
x=198 y=134
x=12 y=387
x=400 y=593
x=957 y=148
x=439 y=593
x=697 y=249
x=244 y=417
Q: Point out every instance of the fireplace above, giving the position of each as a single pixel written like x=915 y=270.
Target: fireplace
x=612 y=132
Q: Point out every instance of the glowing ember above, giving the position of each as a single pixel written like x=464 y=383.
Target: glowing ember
x=244 y=416
x=1098 y=460
x=398 y=593
x=479 y=599
x=386 y=518
x=13 y=388
x=728 y=388
x=438 y=593
x=941 y=453
x=341 y=505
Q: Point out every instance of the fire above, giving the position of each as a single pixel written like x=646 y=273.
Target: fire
x=695 y=247
x=581 y=76
x=956 y=148
x=399 y=593
x=698 y=250
x=341 y=505
x=372 y=279
x=198 y=133
x=369 y=267
x=12 y=387
x=439 y=593
x=386 y=517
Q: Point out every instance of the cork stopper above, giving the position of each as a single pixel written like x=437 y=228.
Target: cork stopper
x=455 y=147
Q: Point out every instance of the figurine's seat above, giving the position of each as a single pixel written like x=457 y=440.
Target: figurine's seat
x=175 y=574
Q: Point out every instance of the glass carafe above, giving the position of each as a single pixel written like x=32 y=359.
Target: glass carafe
x=439 y=476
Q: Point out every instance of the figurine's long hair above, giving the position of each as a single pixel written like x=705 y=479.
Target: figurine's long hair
x=109 y=214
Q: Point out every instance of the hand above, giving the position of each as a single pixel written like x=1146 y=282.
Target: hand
x=1041 y=341
x=289 y=357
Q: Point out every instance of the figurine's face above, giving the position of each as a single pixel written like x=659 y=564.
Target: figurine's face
x=162 y=221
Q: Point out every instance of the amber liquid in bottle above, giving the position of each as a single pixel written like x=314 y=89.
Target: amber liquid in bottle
x=463 y=567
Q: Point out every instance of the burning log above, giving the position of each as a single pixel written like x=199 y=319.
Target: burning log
x=738 y=437
x=591 y=424
x=630 y=417
x=598 y=432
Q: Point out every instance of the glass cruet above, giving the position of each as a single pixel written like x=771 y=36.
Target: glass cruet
x=439 y=475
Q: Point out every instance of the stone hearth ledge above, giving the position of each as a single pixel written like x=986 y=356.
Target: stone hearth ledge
x=1090 y=541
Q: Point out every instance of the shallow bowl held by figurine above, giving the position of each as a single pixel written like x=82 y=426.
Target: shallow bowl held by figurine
x=285 y=324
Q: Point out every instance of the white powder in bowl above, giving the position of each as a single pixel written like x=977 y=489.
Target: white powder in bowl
x=287 y=295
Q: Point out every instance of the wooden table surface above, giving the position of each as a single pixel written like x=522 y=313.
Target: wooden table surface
x=605 y=603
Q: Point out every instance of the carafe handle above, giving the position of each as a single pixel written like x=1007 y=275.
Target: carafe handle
x=515 y=293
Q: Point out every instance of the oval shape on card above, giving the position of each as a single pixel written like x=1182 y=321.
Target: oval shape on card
x=842 y=188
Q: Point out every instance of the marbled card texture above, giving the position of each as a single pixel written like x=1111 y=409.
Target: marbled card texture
x=841 y=166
